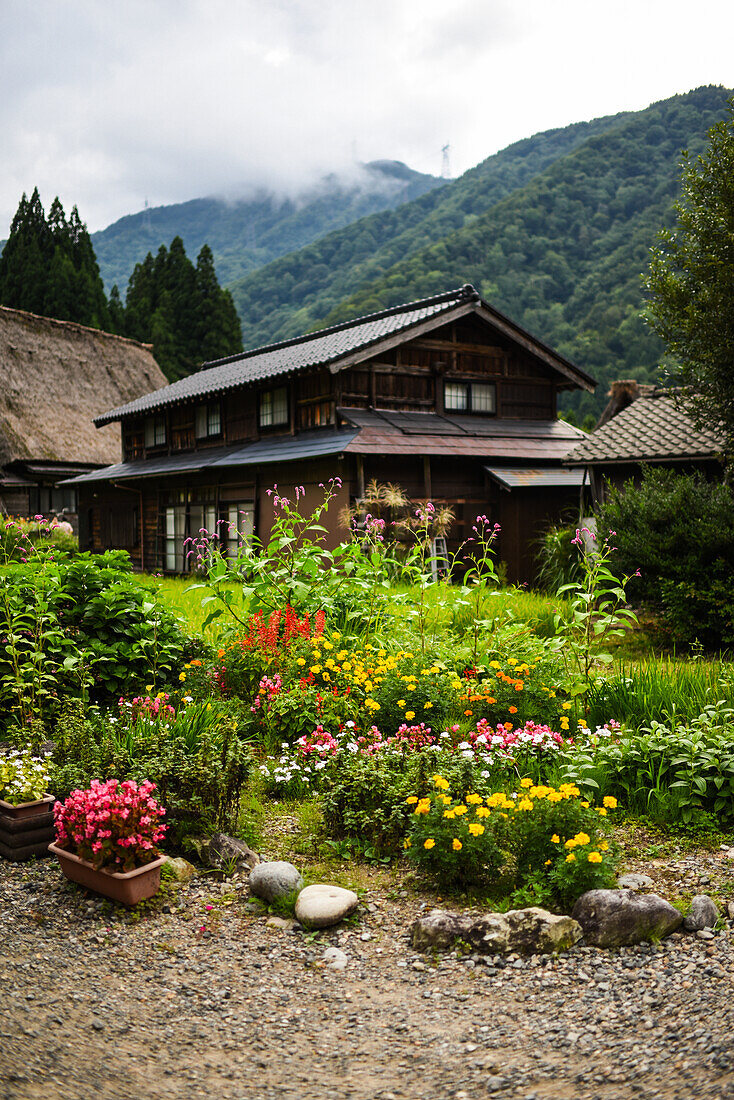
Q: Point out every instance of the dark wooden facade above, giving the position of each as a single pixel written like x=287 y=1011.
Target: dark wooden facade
x=514 y=391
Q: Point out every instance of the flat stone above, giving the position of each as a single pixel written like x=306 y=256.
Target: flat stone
x=271 y=881
x=614 y=918
x=284 y=924
x=523 y=931
x=320 y=906
x=183 y=871
x=702 y=914
x=633 y=882
x=730 y=909
x=335 y=959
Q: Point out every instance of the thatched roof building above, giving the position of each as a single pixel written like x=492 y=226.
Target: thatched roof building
x=55 y=378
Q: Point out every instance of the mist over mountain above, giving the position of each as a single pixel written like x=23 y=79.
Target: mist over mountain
x=247 y=230
x=554 y=230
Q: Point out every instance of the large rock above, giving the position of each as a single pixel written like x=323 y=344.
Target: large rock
x=614 y=918
x=525 y=931
x=702 y=914
x=320 y=906
x=270 y=881
x=228 y=853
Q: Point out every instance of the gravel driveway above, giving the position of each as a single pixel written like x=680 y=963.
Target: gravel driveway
x=209 y=999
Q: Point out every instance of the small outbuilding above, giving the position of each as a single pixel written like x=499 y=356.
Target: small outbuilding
x=644 y=425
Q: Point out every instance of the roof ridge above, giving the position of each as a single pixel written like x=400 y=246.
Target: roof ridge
x=76 y=325
x=465 y=293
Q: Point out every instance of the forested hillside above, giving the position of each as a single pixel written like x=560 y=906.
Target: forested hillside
x=554 y=231
x=245 y=234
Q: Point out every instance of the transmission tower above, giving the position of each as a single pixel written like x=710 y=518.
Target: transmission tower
x=445 y=166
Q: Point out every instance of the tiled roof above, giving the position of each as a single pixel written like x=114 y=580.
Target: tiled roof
x=651 y=429
x=387 y=433
x=535 y=477
x=314 y=444
x=329 y=347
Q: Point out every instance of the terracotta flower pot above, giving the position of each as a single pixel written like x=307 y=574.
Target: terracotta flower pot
x=26 y=829
x=127 y=887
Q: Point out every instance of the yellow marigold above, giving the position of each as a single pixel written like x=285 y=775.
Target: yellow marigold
x=449 y=815
x=604 y=846
x=594 y=857
x=586 y=805
x=610 y=802
x=301 y=661
x=411 y=799
x=410 y=715
x=569 y=843
x=407 y=842
x=538 y=792
x=474 y=799
x=428 y=705
x=182 y=676
x=316 y=669
x=482 y=811
x=526 y=782
x=525 y=804
x=564 y=724
x=566 y=706
x=440 y=782
x=600 y=810
x=548 y=862
x=445 y=799
x=461 y=809
x=555 y=839
x=430 y=843
x=457 y=845
x=582 y=838
x=570 y=858
x=495 y=800
x=476 y=829
x=423 y=806
x=555 y=796
x=401 y=702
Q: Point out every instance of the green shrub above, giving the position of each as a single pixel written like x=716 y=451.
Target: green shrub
x=196 y=757
x=672 y=774
x=678 y=530
x=80 y=627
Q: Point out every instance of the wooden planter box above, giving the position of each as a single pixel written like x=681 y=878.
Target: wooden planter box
x=127 y=887
x=26 y=830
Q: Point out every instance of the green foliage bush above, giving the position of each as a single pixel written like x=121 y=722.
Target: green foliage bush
x=196 y=757
x=678 y=530
x=80 y=627
x=672 y=773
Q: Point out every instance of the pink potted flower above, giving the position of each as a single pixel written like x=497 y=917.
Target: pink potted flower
x=107 y=836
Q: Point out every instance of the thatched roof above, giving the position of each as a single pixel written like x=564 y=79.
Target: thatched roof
x=55 y=378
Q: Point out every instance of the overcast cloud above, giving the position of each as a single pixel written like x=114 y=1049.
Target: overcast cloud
x=112 y=103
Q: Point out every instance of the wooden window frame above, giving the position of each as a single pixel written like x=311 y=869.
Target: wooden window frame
x=469 y=385
x=267 y=427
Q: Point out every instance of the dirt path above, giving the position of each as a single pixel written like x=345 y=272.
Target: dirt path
x=94 y=1006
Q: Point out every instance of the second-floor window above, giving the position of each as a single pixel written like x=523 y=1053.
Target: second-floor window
x=470 y=397
x=208 y=420
x=274 y=407
x=155 y=431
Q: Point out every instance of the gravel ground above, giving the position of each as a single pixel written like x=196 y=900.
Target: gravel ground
x=202 y=996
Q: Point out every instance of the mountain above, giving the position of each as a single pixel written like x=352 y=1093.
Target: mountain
x=246 y=233
x=554 y=231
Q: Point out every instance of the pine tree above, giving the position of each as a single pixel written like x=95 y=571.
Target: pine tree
x=25 y=258
x=181 y=310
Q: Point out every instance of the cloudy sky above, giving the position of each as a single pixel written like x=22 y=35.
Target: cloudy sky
x=112 y=102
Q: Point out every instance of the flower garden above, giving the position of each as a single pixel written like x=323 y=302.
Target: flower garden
x=397 y=711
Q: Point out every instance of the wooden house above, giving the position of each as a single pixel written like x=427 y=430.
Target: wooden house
x=55 y=377
x=445 y=396
x=643 y=425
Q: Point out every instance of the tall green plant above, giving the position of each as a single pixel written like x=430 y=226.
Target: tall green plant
x=596 y=613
